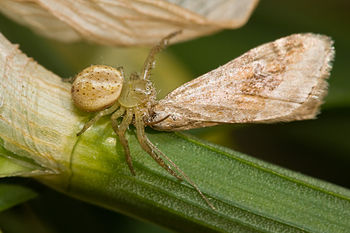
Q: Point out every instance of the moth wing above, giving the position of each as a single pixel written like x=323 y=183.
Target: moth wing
x=284 y=80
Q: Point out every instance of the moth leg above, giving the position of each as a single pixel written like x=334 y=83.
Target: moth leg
x=120 y=131
x=98 y=116
x=145 y=144
x=149 y=63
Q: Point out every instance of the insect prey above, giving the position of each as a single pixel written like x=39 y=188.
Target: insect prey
x=280 y=81
x=284 y=80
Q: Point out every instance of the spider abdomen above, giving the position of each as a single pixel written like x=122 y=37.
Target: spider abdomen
x=97 y=87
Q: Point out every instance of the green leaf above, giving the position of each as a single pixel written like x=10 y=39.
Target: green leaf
x=250 y=195
x=11 y=195
x=14 y=165
x=10 y=168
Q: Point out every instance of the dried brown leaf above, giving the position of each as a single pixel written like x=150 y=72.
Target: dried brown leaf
x=122 y=22
x=36 y=114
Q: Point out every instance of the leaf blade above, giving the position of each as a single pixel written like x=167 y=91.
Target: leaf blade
x=250 y=195
x=11 y=195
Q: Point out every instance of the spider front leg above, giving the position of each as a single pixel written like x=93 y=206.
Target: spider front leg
x=120 y=131
x=147 y=145
x=149 y=63
x=153 y=151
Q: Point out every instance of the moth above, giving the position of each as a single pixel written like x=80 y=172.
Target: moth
x=280 y=81
x=284 y=80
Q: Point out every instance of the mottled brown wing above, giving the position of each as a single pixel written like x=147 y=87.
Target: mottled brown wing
x=284 y=80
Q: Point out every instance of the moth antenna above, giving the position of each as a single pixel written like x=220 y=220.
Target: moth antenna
x=149 y=63
x=156 y=122
x=153 y=147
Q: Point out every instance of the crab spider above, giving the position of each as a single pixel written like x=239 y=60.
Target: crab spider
x=103 y=89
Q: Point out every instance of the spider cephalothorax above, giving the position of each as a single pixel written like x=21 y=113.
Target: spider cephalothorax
x=105 y=90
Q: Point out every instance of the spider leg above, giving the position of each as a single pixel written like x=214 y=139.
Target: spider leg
x=69 y=80
x=145 y=144
x=120 y=131
x=153 y=147
x=149 y=63
x=152 y=150
x=115 y=117
x=121 y=69
x=97 y=117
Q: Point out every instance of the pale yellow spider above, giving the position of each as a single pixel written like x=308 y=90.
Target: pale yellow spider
x=103 y=89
